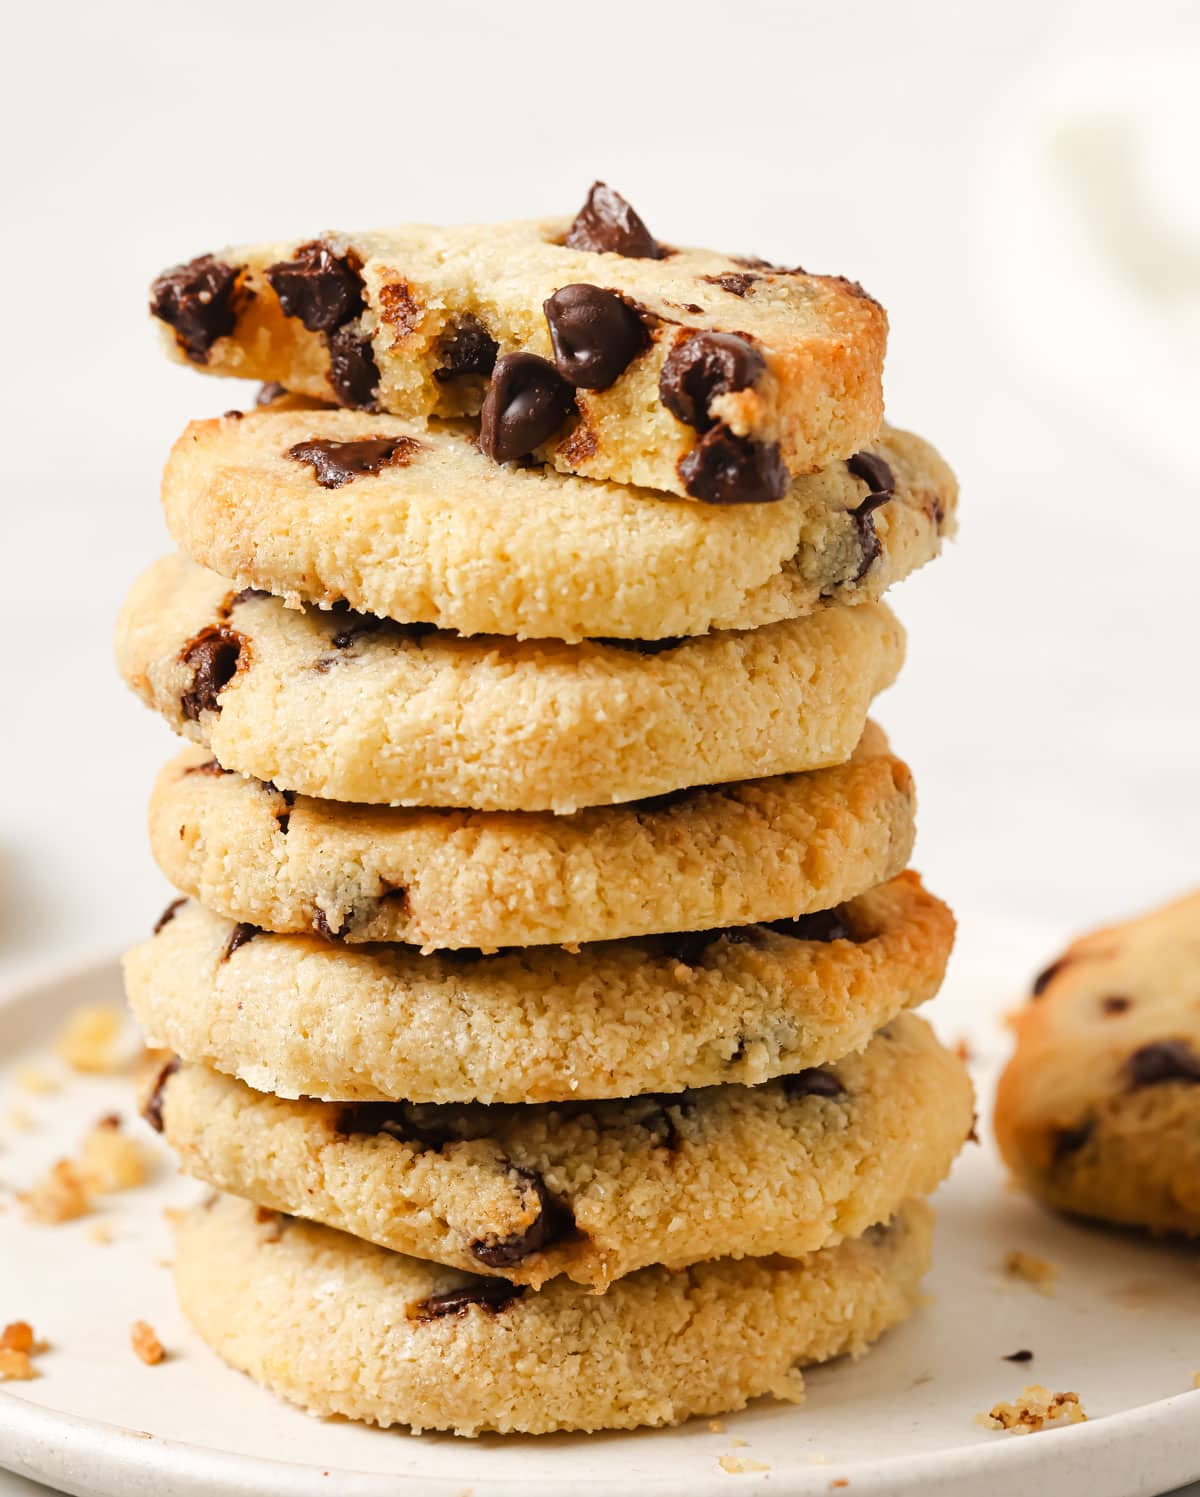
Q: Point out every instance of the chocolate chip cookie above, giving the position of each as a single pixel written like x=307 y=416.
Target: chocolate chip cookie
x=1099 y=1110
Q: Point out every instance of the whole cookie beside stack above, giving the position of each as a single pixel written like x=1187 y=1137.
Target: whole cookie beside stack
x=538 y=994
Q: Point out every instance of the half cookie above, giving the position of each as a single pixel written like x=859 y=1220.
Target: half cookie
x=678 y=369
x=343 y=1327
x=348 y=708
x=593 y=1190
x=414 y=523
x=727 y=855
x=1099 y=1110
x=299 y=1016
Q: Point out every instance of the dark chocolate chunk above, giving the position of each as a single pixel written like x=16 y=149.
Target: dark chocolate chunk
x=1047 y=975
x=169 y=913
x=813 y=1081
x=595 y=334
x=269 y=392
x=733 y=282
x=353 y=372
x=360 y=624
x=321 y=288
x=320 y=924
x=1164 y=1060
x=1068 y=1141
x=527 y=401
x=703 y=366
x=724 y=469
x=232 y=415
x=642 y=646
x=466 y=348
x=607 y=223
x=197 y=300
x=1116 y=1003
x=489 y=1294
x=402 y=1121
x=881 y=486
x=553 y=1222
x=238 y=936
x=1024 y=1355
x=337 y=463
x=152 y=1108
x=213 y=657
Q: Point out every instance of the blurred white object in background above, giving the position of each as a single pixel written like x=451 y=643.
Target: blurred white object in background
x=1086 y=219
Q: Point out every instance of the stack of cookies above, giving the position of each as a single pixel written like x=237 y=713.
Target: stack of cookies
x=539 y=1000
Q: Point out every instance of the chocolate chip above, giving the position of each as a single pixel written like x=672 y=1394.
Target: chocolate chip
x=245 y=596
x=642 y=646
x=353 y=372
x=607 y=224
x=527 y=401
x=269 y=392
x=820 y=925
x=701 y=367
x=197 y=300
x=1047 y=975
x=465 y=348
x=1068 y=1141
x=399 y=1120
x=321 y=288
x=735 y=284
x=881 y=486
x=337 y=463
x=1116 y=1003
x=153 y=1106
x=239 y=936
x=1164 y=1060
x=213 y=657
x=1024 y=1355
x=724 y=469
x=489 y=1294
x=553 y=1221
x=320 y=924
x=813 y=1082
x=232 y=415
x=169 y=913
x=689 y=946
x=360 y=624
x=283 y=820
x=210 y=766
x=595 y=335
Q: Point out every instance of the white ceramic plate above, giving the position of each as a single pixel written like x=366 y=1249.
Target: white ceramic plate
x=1122 y=1328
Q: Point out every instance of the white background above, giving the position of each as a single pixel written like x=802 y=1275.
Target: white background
x=1050 y=704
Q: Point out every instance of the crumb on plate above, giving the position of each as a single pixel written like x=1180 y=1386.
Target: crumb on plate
x=145 y=1343
x=60 y=1195
x=1039 y=1272
x=88 y=1040
x=740 y=1465
x=18 y=1347
x=1035 y=1408
x=112 y=1160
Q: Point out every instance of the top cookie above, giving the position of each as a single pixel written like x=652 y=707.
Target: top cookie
x=415 y=524
x=1099 y=1110
x=585 y=344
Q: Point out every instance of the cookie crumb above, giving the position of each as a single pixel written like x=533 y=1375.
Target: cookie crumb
x=19 y=1120
x=100 y=1233
x=111 y=1160
x=962 y=1048
x=715 y=1427
x=1039 y=1272
x=740 y=1465
x=841 y=1481
x=61 y=1195
x=88 y=1040
x=1034 y=1409
x=36 y=1082
x=145 y=1343
x=18 y=1347
x=1196 y=1379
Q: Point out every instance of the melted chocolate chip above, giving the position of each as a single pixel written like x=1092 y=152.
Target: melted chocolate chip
x=881 y=485
x=152 y=1109
x=269 y=392
x=213 y=658
x=735 y=284
x=813 y=1082
x=553 y=1221
x=527 y=401
x=1164 y=1060
x=169 y=913
x=642 y=646
x=595 y=334
x=489 y=1294
x=239 y=936
x=820 y=925
x=244 y=597
x=337 y=463
x=210 y=766
x=321 y=925
x=321 y=288
x=724 y=469
x=197 y=300
x=1047 y=975
x=703 y=366
x=361 y=623
x=1115 y=1003
x=689 y=946
x=353 y=372
x=1024 y=1355
x=1068 y=1141
x=466 y=348
x=398 y=1120
x=607 y=224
